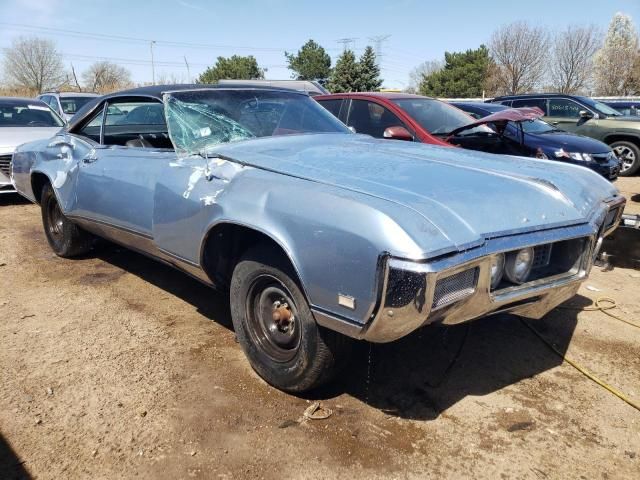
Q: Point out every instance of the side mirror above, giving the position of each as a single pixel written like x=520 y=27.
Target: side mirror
x=585 y=114
x=397 y=133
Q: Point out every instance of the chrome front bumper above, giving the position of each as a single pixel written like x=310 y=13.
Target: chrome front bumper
x=405 y=309
x=408 y=288
x=6 y=185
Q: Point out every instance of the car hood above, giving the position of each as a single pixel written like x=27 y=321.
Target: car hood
x=11 y=137
x=468 y=196
x=567 y=141
x=502 y=117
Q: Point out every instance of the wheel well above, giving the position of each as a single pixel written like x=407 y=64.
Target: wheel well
x=226 y=243
x=38 y=181
x=622 y=138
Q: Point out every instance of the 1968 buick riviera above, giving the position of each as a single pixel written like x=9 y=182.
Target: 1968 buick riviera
x=317 y=233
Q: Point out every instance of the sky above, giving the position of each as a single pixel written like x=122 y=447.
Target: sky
x=195 y=32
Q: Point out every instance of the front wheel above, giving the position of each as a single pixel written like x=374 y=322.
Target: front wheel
x=276 y=329
x=629 y=155
x=65 y=237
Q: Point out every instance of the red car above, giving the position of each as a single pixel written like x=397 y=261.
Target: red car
x=396 y=115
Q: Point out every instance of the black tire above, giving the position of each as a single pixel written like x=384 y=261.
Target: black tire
x=65 y=237
x=629 y=155
x=294 y=353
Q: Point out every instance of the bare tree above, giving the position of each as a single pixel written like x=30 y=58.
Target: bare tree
x=614 y=62
x=104 y=76
x=33 y=64
x=520 y=54
x=418 y=73
x=572 y=54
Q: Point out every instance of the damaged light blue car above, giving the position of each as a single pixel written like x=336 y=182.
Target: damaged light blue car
x=319 y=235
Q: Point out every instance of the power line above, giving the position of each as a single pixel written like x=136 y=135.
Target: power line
x=347 y=43
x=378 y=40
x=126 y=39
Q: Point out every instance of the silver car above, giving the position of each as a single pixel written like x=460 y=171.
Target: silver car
x=22 y=120
x=316 y=233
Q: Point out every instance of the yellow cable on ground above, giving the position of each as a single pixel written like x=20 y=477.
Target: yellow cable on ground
x=598 y=305
x=581 y=369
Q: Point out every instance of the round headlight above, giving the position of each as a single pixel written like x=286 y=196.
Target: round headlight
x=497 y=269
x=518 y=265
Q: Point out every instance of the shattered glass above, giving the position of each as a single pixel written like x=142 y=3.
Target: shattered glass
x=200 y=119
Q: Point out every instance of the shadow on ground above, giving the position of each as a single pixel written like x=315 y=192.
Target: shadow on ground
x=418 y=376
x=12 y=199
x=11 y=467
x=623 y=248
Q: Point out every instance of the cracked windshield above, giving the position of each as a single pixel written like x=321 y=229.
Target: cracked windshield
x=201 y=119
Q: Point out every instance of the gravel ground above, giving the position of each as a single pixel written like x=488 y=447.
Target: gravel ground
x=114 y=366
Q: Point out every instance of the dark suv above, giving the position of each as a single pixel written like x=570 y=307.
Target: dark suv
x=585 y=116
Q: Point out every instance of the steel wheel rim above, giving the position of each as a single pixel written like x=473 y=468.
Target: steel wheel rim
x=55 y=221
x=273 y=318
x=626 y=155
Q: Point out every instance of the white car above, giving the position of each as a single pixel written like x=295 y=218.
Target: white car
x=22 y=120
x=66 y=104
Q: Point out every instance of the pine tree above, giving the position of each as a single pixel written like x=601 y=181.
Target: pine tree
x=464 y=75
x=235 y=68
x=311 y=62
x=345 y=75
x=369 y=73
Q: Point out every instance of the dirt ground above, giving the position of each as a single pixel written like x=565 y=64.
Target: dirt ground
x=114 y=366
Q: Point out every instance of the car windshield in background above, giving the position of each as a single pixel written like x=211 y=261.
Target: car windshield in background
x=537 y=126
x=198 y=119
x=71 y=105
x=601 y=107
x=438 y=118
x=24 y=114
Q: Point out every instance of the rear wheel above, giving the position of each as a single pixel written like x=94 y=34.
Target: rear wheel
x=629 y=155
x=65 y=237
x=276 y=329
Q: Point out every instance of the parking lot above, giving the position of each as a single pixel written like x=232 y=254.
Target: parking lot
x=114 y=365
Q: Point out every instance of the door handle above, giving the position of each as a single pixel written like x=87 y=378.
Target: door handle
x=90 y=157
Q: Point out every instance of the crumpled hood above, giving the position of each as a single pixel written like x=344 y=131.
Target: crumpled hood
x=11 y=137
x=467 y=195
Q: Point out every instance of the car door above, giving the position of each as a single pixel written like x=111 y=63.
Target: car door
x=335 y=106
x=116 y=182
x=372 y=118
x=564 y=113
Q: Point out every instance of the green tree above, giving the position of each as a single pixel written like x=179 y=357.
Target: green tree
x=235 y=68
x=311 y=62
x=345 y=75
x=368 y=72
x=465 y=74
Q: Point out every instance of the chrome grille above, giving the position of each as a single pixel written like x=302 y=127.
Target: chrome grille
x=5 y=164
x=454 y=287
x=541 y=256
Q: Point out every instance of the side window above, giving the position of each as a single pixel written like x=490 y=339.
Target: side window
x=541 y=103
x=136 y=124
x=563 y=107
x=371 y=118
x=53 y=103
x=332 y=105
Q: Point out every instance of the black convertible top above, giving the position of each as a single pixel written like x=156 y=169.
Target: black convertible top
x=156 y=91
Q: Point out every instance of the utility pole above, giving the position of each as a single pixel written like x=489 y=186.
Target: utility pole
x=348 y=43
x=188 y=73
x=153 y=65
x=378 y=40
